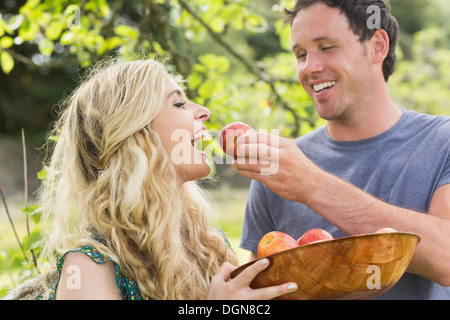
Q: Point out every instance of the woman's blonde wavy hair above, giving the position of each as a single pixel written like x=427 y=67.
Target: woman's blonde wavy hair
x=111 y=185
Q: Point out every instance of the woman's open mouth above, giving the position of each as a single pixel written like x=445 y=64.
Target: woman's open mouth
x=197 y=139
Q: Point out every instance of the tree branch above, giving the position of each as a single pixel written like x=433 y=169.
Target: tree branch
x=260 y=73
x=12 y=224
x=218 y=38
x=118 y=5
x=158 y=15
x=54 y=64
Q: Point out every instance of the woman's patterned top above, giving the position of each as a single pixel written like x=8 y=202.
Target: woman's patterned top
x=127 y=287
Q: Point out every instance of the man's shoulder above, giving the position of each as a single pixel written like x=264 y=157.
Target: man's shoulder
x=428 y=119
x=313 y=136
x=435 y=127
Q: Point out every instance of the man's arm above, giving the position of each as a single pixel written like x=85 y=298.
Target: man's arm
x=355 y=211
x=351 y=209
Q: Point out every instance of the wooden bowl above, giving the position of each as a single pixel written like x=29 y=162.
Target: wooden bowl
x=357 y=267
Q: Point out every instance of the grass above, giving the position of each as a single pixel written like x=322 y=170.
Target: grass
x=229 y=206
x=11 y=256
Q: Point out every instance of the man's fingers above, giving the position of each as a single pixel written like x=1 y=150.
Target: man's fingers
x=258 y=152
x=260 y=138
x=250 y=153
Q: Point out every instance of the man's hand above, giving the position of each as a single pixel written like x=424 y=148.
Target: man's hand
x=348 y=207
x=276 y=162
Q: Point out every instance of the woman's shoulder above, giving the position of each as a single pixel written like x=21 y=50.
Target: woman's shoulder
x=81 y=277
x=86 y=273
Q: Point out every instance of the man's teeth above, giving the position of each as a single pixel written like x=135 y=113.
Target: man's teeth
x=322 y=86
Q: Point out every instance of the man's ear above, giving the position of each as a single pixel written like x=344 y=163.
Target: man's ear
x=379 y=46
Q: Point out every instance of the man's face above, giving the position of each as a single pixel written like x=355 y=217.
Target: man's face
x=332 y=64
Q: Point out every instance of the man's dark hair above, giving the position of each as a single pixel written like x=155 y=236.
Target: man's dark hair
x=357 y=14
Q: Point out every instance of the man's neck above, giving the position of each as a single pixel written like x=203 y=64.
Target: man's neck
x=369 y=122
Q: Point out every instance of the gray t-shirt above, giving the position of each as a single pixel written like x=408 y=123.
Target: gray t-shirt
x=402 y=166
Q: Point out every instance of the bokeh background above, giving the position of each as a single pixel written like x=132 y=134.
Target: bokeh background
x=235 y=55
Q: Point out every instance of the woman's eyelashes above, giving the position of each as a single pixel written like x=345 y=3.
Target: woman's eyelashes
x=180 y=104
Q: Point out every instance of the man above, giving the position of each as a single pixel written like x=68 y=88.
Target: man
x=372 y=165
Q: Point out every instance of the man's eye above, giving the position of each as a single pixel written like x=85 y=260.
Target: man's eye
x=327 y=48
x=301 y=56
x=179 y=104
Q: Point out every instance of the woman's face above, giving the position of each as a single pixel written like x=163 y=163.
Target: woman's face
x=180 y=123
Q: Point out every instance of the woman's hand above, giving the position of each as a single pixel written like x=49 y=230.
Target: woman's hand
x=225 y=288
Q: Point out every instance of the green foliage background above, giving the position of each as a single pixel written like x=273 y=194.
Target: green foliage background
x=235 y=55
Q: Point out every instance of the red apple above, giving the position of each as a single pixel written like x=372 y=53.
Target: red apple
x=274 y=242
x=314 y=235
x=386 y=230
x=229 y=135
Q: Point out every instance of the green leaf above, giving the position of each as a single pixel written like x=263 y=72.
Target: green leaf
x=53 y=137
x=67 y=37
x=28 y=30
x=42 y=174
x=6 y=42
x=5 y=27
x=34 y=212
x=126 y=32
x=113 y=42
x=195 y=80
x=32 y=240
x=54 y=30
x=284 y=32
x=6 y=61
x=46 y=47
x=29 y=6
x=256 y=23
x=219 y=63
x=206 y=89
x=158 y=49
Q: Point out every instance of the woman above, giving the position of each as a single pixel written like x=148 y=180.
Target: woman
x=122 y=210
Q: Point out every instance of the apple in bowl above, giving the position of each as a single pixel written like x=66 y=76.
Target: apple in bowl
x=314 y=235
x=274 y=242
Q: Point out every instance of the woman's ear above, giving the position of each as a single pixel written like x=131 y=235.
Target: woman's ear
x=380 y=46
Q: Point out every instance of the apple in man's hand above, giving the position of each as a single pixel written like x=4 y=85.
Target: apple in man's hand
x=274 y=242
x=229 y=135
x=314 y=235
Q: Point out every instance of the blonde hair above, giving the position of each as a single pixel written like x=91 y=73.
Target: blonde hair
x=111 y=185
